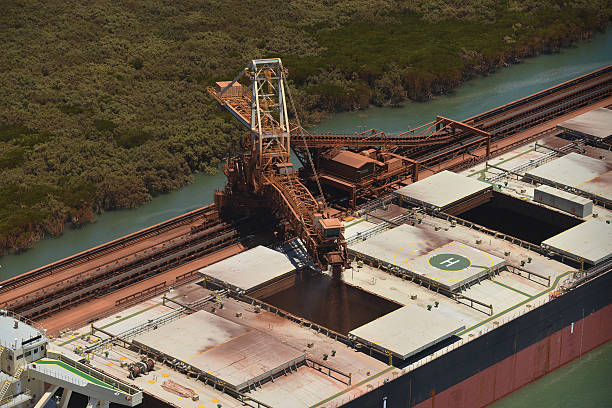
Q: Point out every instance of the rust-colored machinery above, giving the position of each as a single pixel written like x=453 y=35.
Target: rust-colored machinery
x=358 y=166
x=265 y=177
x=140 y=368
x=368 y=164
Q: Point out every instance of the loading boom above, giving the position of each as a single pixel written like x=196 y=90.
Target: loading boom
x=265 y=177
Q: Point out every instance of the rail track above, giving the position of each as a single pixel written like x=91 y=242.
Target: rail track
x=578 y=81
x=508 y=120
x=97 y=281
x=205 y=213
x=208 y=233
x=564 y=100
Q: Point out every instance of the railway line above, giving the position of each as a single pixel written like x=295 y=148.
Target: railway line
x=99 y=280
x=158 y=230
x=602 y=74
x=514 y=117
x=38 y=297
x=445 y=144
x=153 y=251
x=558 y=103
x=499 y=122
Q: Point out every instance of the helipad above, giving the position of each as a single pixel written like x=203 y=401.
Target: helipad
x=449 y=264
x=399 y=244
x=454 y=264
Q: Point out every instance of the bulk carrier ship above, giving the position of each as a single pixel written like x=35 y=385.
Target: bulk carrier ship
x=443 y=277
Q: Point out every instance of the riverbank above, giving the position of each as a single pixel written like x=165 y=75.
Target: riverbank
x=577 y=384
x=473 y=97
x=104 y=106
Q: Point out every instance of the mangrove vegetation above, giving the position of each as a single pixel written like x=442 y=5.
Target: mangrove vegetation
x=103 y=103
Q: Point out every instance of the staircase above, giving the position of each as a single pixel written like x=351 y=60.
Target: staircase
x=4 y=389
x=7 y=383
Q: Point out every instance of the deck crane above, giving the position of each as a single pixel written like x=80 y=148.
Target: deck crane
x=265 y=176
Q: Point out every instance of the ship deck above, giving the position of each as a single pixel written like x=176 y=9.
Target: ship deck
x=462 y=278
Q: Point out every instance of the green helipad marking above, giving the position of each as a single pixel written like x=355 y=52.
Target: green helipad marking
x=450 y=262
x=78 y=372
x=511 y=288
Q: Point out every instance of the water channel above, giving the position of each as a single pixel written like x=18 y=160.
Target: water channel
x=473 y=97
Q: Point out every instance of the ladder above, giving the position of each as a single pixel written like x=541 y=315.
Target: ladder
x=7 y=383
x=4 y=389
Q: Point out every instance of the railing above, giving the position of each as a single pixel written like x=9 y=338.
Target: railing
x=362 y=236
x=282 y=313
x=183 y=254
x=496 y=234
x=209 y=379
x=378 y=228
x=25 y=396
x=134 y=331
x=500 y=150
x=187 y=276
x=529 y=274
x=390 y=375
x=596 y=198
x=153 y=290
x=11 y=314
x=594 y=271
x=430 y=284
x=476 y=332
x=373 y=205
x=533 y=163
x=245 y=398
x=152 y=324
x=126 y=389
x=315 y=365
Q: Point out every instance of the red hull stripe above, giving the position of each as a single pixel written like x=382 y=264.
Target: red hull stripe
x=529 y=364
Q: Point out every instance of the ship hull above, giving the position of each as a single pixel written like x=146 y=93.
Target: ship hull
x=505 y=359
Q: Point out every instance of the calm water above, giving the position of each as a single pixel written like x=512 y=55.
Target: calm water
x=483 y=93
x=114 y=224
x=585 y=383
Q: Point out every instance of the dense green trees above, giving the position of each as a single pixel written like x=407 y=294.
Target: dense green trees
x=103 y=105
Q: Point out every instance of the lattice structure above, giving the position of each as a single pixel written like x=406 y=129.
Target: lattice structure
x=430 y=134
x=263 y=106
x=267 y=171
x=290 y=196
